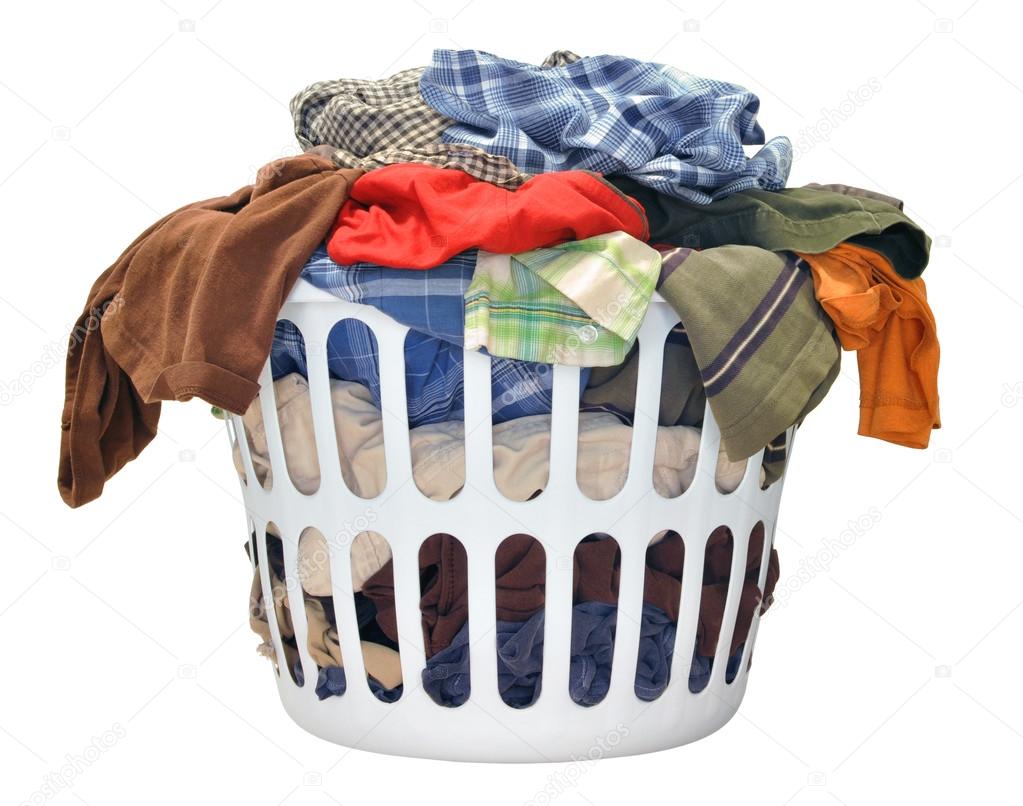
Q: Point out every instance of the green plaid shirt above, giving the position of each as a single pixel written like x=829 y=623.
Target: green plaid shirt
x=579 y=303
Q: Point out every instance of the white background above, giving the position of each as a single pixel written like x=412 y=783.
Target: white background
x=891 y=670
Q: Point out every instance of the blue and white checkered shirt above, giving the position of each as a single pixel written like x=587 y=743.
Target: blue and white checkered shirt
x=678 y=133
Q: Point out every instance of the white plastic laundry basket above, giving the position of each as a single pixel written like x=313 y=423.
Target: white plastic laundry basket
x=485 y=728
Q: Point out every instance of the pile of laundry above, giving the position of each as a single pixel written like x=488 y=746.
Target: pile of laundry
x=531 y=213
x=520 y=464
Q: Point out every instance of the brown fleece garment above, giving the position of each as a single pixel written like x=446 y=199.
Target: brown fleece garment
x=188 y=310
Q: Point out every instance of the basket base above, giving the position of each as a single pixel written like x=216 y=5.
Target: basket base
x=553 y=729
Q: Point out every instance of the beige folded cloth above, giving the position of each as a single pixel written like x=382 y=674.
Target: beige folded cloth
x=521 y=461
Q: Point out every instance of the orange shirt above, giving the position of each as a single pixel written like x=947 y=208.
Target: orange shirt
x=887 y=320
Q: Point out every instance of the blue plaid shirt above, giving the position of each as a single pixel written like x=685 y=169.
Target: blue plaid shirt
x=428 y=300
x=678 y=133
x=431 y=303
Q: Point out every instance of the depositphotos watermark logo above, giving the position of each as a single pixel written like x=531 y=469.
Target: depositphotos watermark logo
x=568 y=777
x=819 y=562
x=75 y=764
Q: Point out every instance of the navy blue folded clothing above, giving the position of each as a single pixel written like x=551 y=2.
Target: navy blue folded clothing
x=656 y=645
x=699 y=672
x=446 y=676
x=332 y=682
x=593 y=643
x=520 y=659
